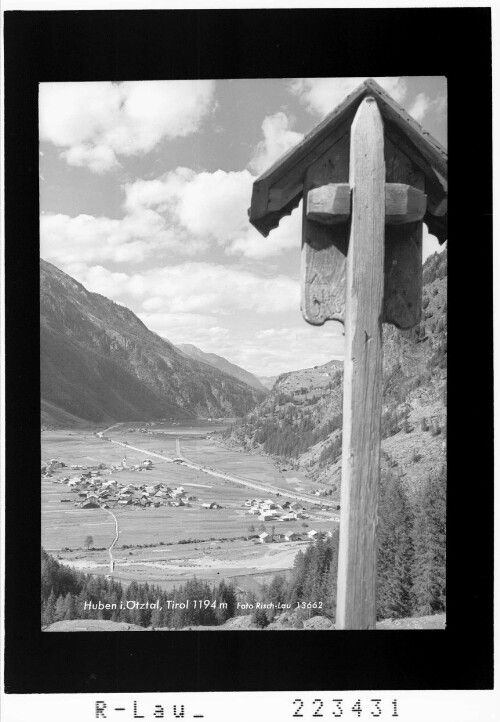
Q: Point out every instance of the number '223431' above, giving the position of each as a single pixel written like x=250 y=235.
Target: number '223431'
x=337 y=707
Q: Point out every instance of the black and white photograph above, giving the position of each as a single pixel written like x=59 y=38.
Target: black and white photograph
x=229 y=300
x=243 y=298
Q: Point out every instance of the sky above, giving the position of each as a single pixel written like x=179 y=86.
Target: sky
x=144 y=191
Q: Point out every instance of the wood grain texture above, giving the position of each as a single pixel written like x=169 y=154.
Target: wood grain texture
x=403 y=247
x=324 y=247
x=329 y=204
x=403 y=204
x=289 y=171
x=356 y=589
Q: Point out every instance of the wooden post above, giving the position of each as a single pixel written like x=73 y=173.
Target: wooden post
x=356 y=590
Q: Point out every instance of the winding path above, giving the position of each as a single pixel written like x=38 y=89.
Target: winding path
x=117 y=534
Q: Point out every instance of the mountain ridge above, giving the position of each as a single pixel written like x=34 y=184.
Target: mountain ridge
x=100 y=363
x=223 y=364
x=300 y=422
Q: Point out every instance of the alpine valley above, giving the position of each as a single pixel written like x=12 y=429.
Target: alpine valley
x=100 y=364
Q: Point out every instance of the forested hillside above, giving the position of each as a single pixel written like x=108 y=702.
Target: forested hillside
x=300 y=422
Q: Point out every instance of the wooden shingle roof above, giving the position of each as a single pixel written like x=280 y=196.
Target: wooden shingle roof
x=279 y=189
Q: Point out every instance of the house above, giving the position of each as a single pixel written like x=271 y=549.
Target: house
x=264 y=538
x=292 y=536
x=90 y=504
x=268 y=515
x=279 y=536
x=313 y=534
x=147 y=464
x=254 y=511
x=288 y=517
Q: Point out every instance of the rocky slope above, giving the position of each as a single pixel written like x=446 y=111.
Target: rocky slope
x=99 y=363
x=223 y=365
x=300 y=421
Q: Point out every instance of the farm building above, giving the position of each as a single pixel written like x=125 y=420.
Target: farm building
x=91 y=503
x=264 y=538
x=313 y=534
x=292 y=536
x=210 y=505
x=268 y=515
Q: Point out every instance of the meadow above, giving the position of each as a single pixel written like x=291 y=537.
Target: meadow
x=222 y=547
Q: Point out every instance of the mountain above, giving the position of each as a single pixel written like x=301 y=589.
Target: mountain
x=300 y=421
x=99 y=364
x=267 y=381
x=223 y=365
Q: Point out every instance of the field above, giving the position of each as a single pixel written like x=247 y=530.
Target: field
x=218 y=538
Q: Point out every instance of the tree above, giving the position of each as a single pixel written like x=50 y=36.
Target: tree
x=395 y=550
x=48 y=615
x=88 y=541
x=429 y=568
x=70 y=607
x=251 y=529
x=259 y=617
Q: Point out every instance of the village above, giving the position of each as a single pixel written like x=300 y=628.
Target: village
x=89 y=487
x=95 y=490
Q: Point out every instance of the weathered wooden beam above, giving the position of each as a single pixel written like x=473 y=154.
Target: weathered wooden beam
x=435 y=154
x=324 y=247
x=403 y=204
x=356 y=588
x=331 y=204
x=280 y=197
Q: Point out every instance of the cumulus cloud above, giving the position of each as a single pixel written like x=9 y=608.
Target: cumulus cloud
x=212 y=206
x=96 y=122
x=193 y=287
x=89 y=239
x=322 y=95
x=278 y=138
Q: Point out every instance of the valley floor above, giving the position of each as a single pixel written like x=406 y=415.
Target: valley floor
x=168 y=545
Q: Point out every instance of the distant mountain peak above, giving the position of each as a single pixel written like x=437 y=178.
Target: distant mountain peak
x=223 y=364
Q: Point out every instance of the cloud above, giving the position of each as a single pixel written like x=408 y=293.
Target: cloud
x=276 y=350
x=96 y=122
x=212 y=207
x=89 y=239
x=252 y=244
x=430 y=244
x=322 y=95
x=278 y=138
x=419 y=107
x=423 y=105
x=192 y=288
